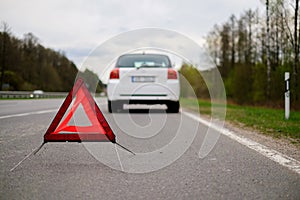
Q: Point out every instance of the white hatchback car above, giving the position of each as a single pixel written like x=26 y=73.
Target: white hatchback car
x=143 y=79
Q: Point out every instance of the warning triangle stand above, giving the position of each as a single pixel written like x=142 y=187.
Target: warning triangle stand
x=98 y=131
x=60 y=131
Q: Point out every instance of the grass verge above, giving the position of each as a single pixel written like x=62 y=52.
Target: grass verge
x=265 y=120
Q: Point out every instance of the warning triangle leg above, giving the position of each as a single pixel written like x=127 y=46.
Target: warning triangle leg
x=125 y=148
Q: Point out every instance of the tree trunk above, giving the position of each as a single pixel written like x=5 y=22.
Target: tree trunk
x=296 y=51
x=232 y=41
x=3 y=61
x=268 y=50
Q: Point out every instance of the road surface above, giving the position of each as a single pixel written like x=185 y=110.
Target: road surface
x=158 y=171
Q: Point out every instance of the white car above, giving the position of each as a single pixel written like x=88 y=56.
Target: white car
x=37 y=94
x=143 y=79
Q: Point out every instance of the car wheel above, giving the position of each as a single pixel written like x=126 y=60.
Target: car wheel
x=109 y=106
x=173 y=107
x=115 y=106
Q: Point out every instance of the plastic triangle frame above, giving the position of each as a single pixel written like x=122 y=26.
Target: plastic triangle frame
x=60 y=131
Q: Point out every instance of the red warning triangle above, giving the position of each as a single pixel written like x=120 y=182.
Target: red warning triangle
x=98 y=131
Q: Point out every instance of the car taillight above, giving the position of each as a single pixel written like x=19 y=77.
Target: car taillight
x=172 y=74
x=114 y=74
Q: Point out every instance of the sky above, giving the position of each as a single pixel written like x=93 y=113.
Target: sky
x=79 y=27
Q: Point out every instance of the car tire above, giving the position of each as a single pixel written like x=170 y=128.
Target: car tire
x=109 y=106
x=173 y=107
x=115 y=106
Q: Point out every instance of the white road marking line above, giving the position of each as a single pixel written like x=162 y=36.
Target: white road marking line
x=29 y=113
x=274 y=155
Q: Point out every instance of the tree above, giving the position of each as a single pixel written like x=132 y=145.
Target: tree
x=213 y=45
x=225 y=49
x=249 y=20
x=28 y=65
x=242 y=40
x=92 y=80
x=193 y=84
x=232 y=24
x=268 y=48
x=4 y=37
x=293 y=33
x=296 y=49
x=252 y=44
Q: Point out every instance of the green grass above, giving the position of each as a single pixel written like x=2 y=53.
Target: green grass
x=265 y=120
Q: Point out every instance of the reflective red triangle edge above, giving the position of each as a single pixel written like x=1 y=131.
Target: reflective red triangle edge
x=77 y=137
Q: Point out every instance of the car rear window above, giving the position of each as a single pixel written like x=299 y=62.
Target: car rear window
x=143 y=60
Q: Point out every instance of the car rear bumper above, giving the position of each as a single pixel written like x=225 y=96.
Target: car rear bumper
x=144 y=92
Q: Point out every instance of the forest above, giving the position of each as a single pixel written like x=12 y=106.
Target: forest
x=27 y=65
x=252 y=51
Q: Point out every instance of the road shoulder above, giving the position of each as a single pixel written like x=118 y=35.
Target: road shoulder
x=282 y=145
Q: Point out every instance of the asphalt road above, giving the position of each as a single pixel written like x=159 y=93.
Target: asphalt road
x=166 y=165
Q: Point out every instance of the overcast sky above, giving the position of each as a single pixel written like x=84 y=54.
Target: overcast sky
x=79 y=26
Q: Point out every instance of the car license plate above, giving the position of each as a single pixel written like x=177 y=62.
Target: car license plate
x=142 y=79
